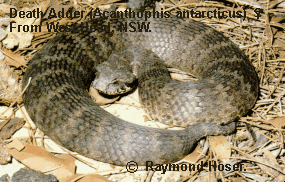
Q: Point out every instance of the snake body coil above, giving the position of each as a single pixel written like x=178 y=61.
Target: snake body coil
x=58 y=102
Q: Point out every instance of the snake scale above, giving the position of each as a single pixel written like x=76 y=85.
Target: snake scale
x=63 y=69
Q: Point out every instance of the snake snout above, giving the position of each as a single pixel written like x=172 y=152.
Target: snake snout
x=118 y=82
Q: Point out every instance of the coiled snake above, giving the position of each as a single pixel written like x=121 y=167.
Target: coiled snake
x=58 y=102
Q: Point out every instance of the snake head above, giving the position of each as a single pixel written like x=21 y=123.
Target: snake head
x=113 y=80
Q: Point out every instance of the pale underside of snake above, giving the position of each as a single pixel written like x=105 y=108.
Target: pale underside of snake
x=62 y=71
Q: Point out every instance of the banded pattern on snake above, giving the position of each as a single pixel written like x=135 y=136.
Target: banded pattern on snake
x=58 y=102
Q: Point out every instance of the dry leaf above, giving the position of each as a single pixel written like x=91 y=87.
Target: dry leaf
x=282 y=54
x=221 y=147
x=14 y=59
x=193 y=156
x=37 y=158
x=269 y=35
x=238 y=179
x=10 y=83
x=278 y=122
x=23 y=29
x=54 y=9
x=269 y=158
x=279 y=44
x=208 y=177
x=44 y=6
x=5 y=156
x=146 y=118
x=16 y=144
x=5 y=8
x=86 y=178
x=11 y=127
